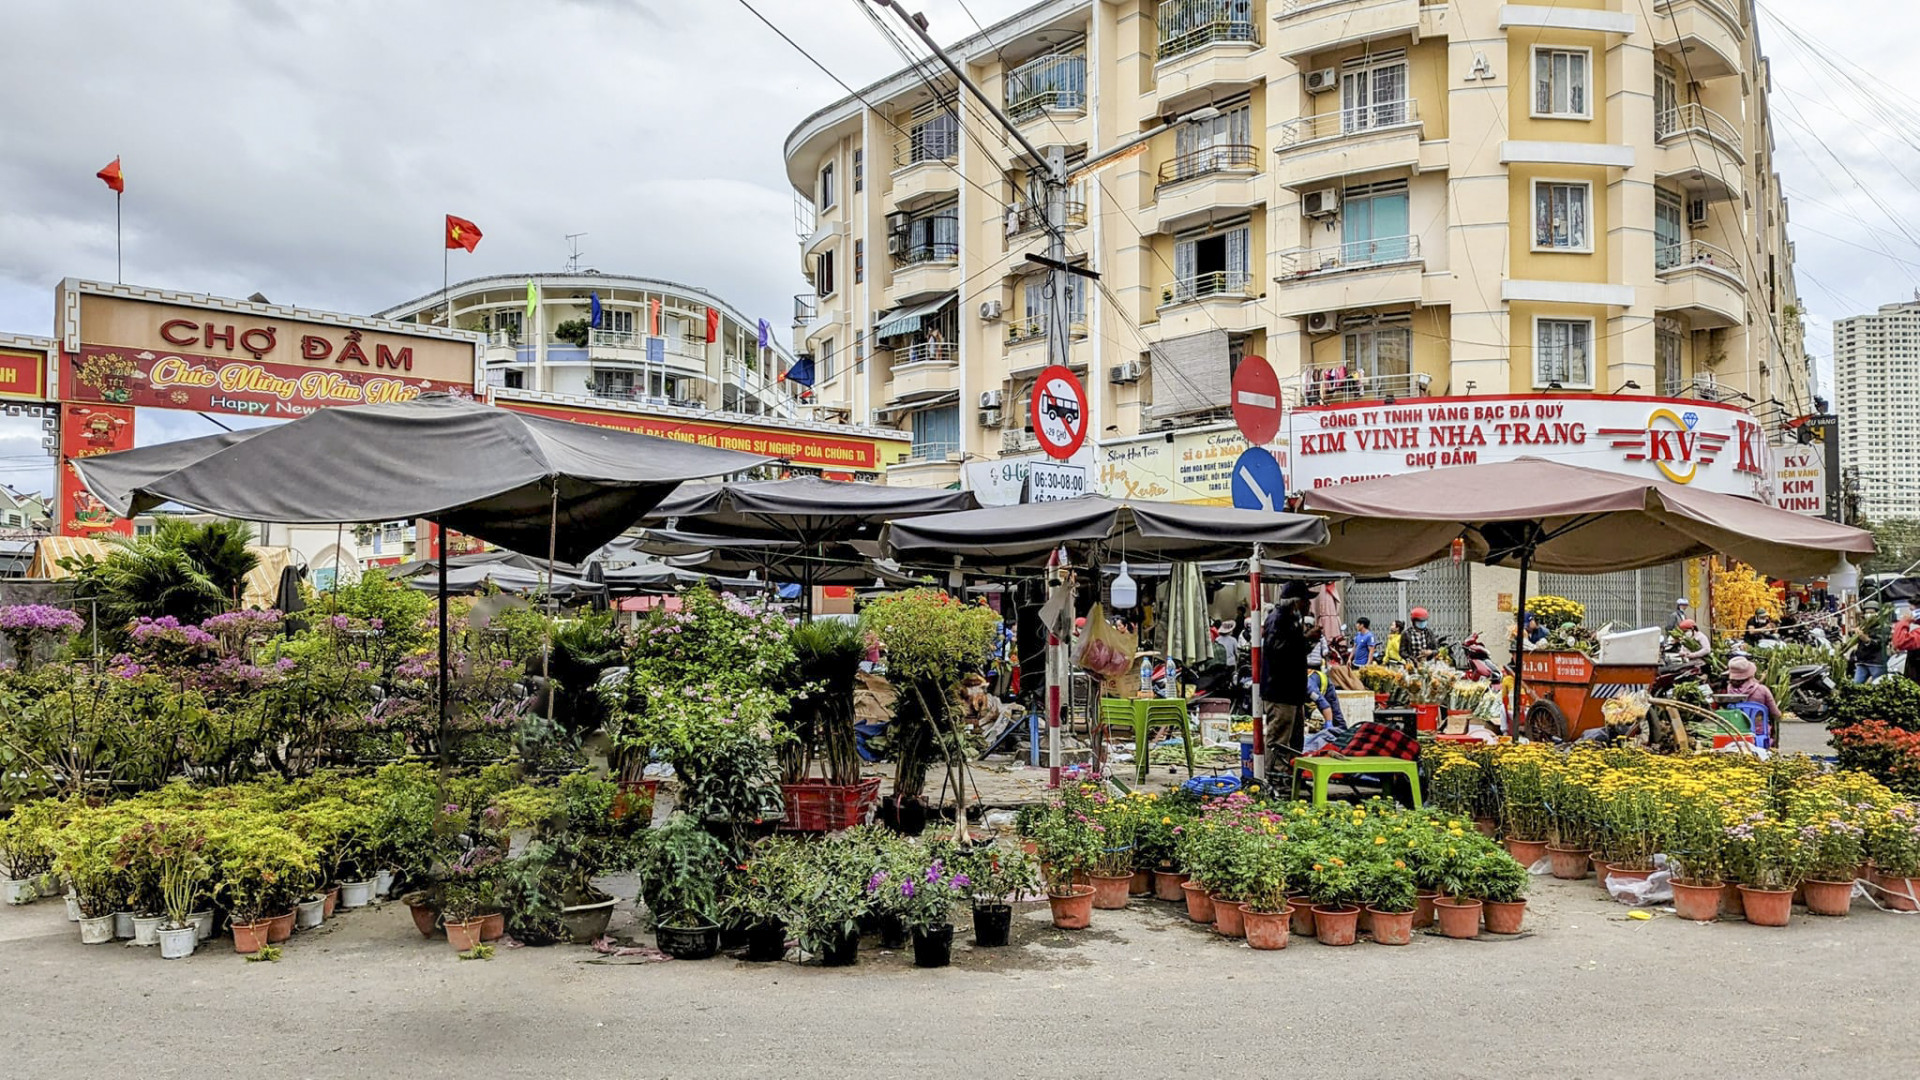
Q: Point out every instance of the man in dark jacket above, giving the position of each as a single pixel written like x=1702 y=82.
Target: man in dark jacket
x=1283 y=673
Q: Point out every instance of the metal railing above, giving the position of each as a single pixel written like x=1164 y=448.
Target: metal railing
x=928 y=253
x=1034 y=328
x=1695 y=254
x=926 y=352
x=1331 y=385
x=1055 y=82
x=1726 y=14
x=1344 y=122
x=1226 y=283
x=924 y=144
x=933 y=451
x=1354 y=255
x=806 y=308
x=1694 y=118
x=1189 y=25
x=1031 y=218
x=1213 y=159
x=1289 y=8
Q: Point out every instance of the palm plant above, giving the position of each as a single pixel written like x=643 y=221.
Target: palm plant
x=827 y=657
x=187 y=570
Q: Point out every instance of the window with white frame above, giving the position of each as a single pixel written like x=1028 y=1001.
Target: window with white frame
x=1669 y=230
x=1563 y=352
x=616 y=321
x=1560 y=83
x=1379 y=351
x=1039 y=306
x=1560 y=216
x=1373 y=92
x=823 y=274
x=1666 y=351
x=829 y=191
x=824 y=371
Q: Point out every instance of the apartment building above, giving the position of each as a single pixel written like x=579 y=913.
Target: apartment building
x=1386 y=198
x=656 y=343
x=1876 y=386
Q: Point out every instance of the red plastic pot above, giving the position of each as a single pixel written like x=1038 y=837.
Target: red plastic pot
x=279 y=928
x=1266 y=930
x=1458 y=918
x=249 y=938
x=1110 y=892
x=1336 y=926
x=1526 y=852
x=1302 y=918
x=1391 y=927
x=1423 y=909
x=1898 y=893
x=1767 y=907
x=1569 y=864
x=1828 y=897
x=1228 y=918
x=1696 y=903
x=1199 y=904
x=1504 y=917
x=1166 y=886
x=1075 y=911
x=1142 y=883
x=463 y=936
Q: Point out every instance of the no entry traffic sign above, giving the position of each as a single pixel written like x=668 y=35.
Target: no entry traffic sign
x=1058 y=412
x=1256 y=400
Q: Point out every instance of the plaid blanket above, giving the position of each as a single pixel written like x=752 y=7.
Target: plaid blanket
x=1373 y=740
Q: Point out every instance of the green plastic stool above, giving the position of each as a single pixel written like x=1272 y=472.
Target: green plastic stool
x=1143 y=715
x=1326 y=767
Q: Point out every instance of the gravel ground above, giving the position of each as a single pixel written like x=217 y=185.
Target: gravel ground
x=1586 y=992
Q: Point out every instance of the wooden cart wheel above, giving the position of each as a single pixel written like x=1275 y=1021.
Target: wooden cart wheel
x=1545 y=722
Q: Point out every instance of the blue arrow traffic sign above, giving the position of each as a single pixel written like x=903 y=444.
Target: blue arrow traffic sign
x=1257 y=481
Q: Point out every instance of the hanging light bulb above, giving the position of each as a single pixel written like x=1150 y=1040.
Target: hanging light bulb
x=1126 y=591
x=1843 y=578
x=955 y=579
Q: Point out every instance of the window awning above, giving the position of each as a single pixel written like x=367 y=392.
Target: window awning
x=919 y=400
x=909 y=317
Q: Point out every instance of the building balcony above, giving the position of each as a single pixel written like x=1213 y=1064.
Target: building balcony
x=1219 y=300
x=1706 y=33
x=1702 y=282
x=1701 y=150
x=1305 y=27
x=806 y=308
x=1200 y=184
x=1349 y=142
x=1205 y=43
x=1338 y=386
x=1361 y=273
x=924 y=271
x=934 y=465
x=1033 y=329
x=924 y=166
x=923 y=371
x=1050 y=87
x=1030 y=220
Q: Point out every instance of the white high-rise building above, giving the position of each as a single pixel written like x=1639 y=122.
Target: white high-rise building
x=1876 y=384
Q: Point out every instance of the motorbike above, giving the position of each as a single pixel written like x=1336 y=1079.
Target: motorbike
x=1472 y=658
x=1810 y=692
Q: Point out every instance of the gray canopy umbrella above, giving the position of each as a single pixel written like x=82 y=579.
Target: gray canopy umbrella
x=1025 y=534
x=508 y=577
x=523 y=482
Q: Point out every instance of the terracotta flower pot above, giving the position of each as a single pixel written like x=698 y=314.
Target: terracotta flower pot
x=1423 y=909
x=1073 y=912
x=1335 y=925
x=1199 y=904
x=1267 y=929
x=1569 y=863
x=493 y=926
x=1110 y=893
x=1731 y=906
x=333 y=901
x=1142 y=884
x=463 y=936
x=1526 y=852
x=1615 y=870
x=1227 y=918
x=1504 y=917
x=1828 y=897
x=280 y=928
x=1302 y=917
x=1166 y=886
x=1391 y=927
x=1599 y=859
x=1898 y=893
x=1486 y=825
x=425 y=918
x=1696 y=903
x=1365 y=925
x=1767 y=907
x=1458 y=918
x=249 y=938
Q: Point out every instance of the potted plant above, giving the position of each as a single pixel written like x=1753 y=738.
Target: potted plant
x=81 y=860
x=1894 y=844
x=1391 y=898
x=529 y=887
x=262 y=867
x=681 y=866
x=1067 y=846
x=1001 y=876
x=760 y=892
x=1334 y=885
x=25 y=855
x=1696 y=855
x=1451 y=870
x=469 y=895
x=1523 y=791
x=827 y=657
x=1115 y=823
x=1262 y=872
x=1633 y=826
x=1500 y=884
x=829 y=897
x=1153 y=845
x=1770 y=859
x=924 y=900
x=1838 y=847
x=1199 y=846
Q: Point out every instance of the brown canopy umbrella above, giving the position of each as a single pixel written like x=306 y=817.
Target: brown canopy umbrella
x=1535 y=514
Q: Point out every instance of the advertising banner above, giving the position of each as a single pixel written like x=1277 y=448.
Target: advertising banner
x=87 y=431
x=23 y=375
x=846 y=453
x=1195 y=466
x=1800 y=478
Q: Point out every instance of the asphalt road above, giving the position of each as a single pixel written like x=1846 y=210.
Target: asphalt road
x=1586 y=993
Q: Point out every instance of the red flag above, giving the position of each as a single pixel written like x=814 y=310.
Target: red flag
x=653 y=317
x=713 y=325
x=111 y=174
x=462 y=233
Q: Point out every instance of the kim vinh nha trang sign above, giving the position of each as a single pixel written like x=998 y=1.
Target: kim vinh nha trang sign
x=1704 y=444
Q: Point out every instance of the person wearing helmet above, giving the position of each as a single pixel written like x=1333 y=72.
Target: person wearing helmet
x=1679 y=613
x=1693 y=644
x=1321 y=693
x=1419 y=642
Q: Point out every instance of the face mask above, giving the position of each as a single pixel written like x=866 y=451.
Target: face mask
x=1421 y=623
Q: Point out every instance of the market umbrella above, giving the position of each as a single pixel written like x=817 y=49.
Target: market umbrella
x=1025 y=534
x=508 y=577
x=1535 y=514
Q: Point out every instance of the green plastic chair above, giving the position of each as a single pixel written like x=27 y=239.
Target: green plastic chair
x=1143 y=715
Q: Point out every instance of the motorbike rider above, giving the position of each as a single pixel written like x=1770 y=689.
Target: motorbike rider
x=1679 y=613
x=1759 y=625
x=1693 y=644
x=1419 y=642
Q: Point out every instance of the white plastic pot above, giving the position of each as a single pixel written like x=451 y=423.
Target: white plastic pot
x=383 y=883
x=17 y=892
x=311 y=914
x=96 y=931
x=73 y=908
x=178 y=942
x=202 y=924
x=122 y=925
x=355 y=894
x=146 y=929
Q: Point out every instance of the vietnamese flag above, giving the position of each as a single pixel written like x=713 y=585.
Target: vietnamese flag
x=111 y=174
x=462 y=233
x=713 y=325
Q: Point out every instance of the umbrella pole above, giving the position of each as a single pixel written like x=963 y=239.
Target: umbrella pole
x=1255 y=634
x=445 y=757
x=1056 y=673
x=1515 y=718
x=553 y=608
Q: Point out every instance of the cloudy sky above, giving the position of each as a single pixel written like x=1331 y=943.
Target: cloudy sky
x=307 y=151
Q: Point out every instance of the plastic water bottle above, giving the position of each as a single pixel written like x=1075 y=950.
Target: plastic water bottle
x=1146 y=676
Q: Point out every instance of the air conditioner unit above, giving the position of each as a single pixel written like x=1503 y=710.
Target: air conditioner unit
x=990 y=310
x=990 y=399
x=1323 y=80
x=1696 y=211
x=1125 y=372
x=1323 y=322
x=989 y=417
x=899 y=221
x=1322 y=202
x=897 y=243
x=1012 y=441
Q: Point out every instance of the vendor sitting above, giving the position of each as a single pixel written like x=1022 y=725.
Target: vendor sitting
x=1742 y=683
x=1322 y=694
x=978 y=707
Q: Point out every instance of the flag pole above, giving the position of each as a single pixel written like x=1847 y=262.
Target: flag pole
x=446 y=299
x=119 y=276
